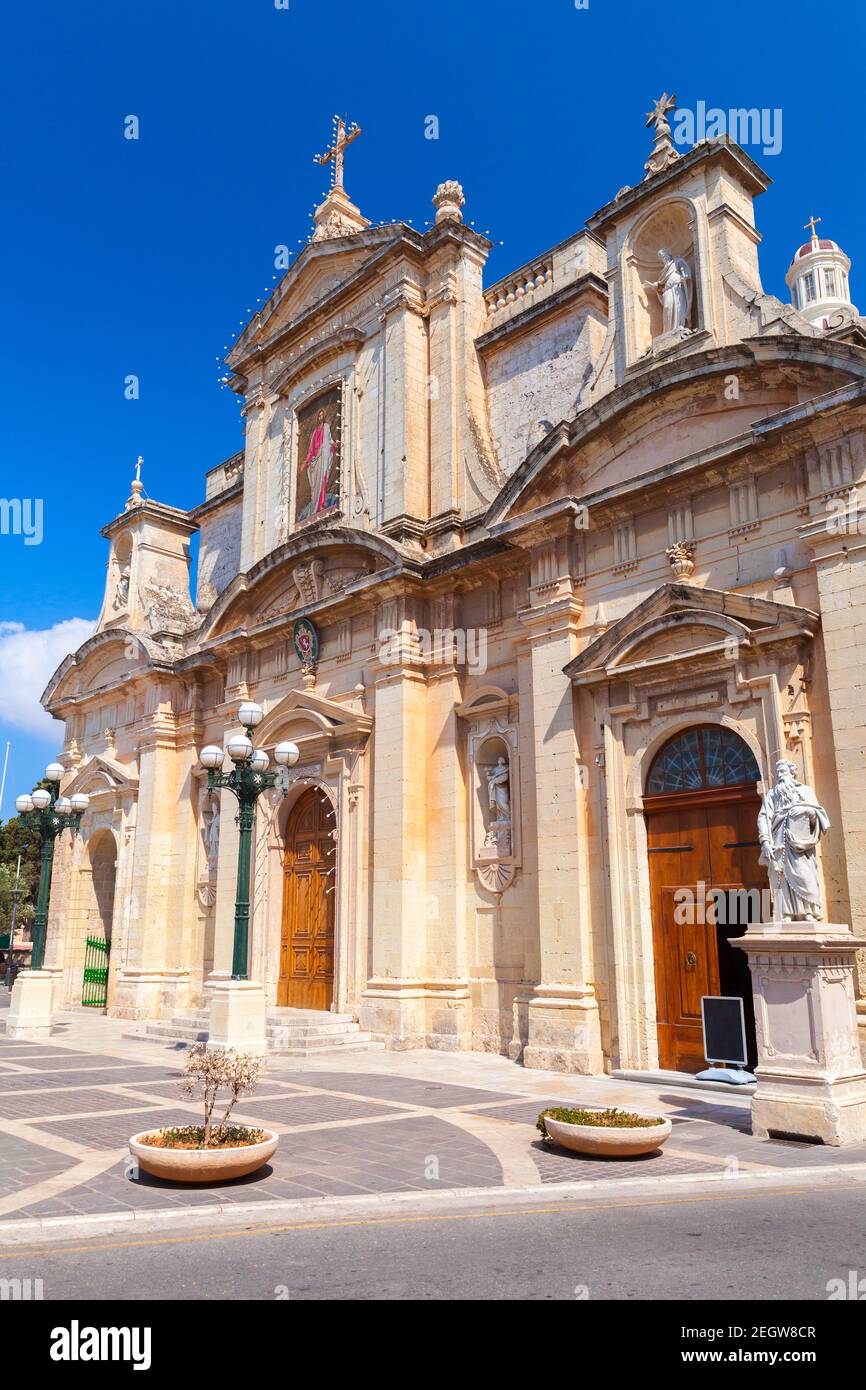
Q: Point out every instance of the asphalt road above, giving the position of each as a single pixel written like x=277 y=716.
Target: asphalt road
x=720 y=1245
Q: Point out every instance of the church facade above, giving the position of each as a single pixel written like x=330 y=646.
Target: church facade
x=542 y=577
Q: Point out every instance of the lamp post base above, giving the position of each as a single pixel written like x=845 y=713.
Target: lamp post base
x=30 y=1005
x=238 y=1012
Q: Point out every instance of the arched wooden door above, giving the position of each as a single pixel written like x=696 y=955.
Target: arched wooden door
x=307 y=943
x=701 y=809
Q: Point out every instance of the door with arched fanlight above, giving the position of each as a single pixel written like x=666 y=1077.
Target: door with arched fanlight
x=701 y=806
x=306 y=979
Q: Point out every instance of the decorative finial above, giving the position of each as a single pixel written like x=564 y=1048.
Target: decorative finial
x=811 y=223
x=663 y=153
x=448 y=200
x=137 y=484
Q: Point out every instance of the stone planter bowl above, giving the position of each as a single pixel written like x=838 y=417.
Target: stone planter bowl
x=201 y=1165
x=608 y=1141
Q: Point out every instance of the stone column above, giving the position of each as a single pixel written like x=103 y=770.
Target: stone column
x=811 y=1082
x=394 y=1001
x=564 y=1025
x=450 y=1020
x=148 y=983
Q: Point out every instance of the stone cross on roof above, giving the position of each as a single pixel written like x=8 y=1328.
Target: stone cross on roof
x=343 y=136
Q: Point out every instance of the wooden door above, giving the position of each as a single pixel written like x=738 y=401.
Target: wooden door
x=700 y=842
x=307 y=943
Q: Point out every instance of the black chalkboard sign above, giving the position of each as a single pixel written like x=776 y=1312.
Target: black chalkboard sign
x=724 y=1029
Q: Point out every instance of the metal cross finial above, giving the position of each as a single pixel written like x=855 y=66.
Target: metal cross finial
x=139 y=461
x=658 y=117
x=344 y=134
x=811 y=223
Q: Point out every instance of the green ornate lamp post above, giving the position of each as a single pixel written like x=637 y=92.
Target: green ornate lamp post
x=246 y=781
x=48 y=815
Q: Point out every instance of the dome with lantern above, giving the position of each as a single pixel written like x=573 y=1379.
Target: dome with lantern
x=818 y=280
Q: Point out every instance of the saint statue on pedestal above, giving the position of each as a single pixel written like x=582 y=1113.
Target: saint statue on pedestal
x=674 y=289
x=790 y=823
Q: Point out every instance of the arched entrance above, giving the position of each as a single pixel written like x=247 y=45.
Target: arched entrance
x=98 y=918
x=307 y=939
x=701 y=807
x=103 y=867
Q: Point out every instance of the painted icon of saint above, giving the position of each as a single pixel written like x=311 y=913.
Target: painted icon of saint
x=321 y=454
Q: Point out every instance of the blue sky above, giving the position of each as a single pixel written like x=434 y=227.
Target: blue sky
x=143 y=257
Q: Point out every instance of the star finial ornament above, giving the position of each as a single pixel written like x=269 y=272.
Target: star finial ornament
x=663 y=153
x=658 y=117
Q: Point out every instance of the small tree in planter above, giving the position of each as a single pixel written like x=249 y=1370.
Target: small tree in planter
x=215 y=1150
x=213 y=1069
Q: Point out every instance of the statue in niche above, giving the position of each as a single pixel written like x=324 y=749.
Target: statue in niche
x=498 y=836
x=790 y=823
x=674 y=289
x=210 y=832
x=121 y=593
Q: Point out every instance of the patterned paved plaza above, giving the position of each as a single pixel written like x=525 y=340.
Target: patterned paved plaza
x=382 y=1123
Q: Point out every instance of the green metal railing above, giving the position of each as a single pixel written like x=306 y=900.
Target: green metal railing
x=95 y=990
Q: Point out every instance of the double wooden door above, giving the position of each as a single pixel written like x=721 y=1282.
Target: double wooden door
x=700 y=842
x=307 y=942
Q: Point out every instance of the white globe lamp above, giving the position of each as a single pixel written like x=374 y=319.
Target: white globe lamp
x=287 y=754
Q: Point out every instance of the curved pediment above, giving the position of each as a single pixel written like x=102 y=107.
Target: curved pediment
x=675 y=413
x=684 y=634
x=309 y=570
x=101 y=663
x=682 y=623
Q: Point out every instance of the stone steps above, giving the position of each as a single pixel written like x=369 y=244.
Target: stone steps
x=290 y=1032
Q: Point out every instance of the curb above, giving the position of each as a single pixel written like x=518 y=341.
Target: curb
x=392 y=1205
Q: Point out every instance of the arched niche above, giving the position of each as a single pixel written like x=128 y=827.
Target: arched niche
x=494 y=821
x=671 y=228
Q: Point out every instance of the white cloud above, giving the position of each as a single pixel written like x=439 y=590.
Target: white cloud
x=28 y=660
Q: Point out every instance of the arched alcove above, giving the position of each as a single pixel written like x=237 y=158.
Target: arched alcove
x=671 y=229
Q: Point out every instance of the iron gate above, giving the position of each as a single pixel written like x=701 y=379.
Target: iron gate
x=95 y=991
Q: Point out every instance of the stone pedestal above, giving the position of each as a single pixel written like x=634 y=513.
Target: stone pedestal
x=238 y=1012
x=564 y=1032
x=31 y=1004
x=811 y=1082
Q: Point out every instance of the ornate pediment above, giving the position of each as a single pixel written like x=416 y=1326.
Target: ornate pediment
x=323 y=267
x=683 y=624
x=101 y=776
x=103 y=662
x=316 y=723
x=310 y=569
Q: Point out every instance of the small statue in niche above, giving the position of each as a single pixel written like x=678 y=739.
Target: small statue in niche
x=210 y=832
x=791 y=821
x=674 y=289
x=121 y=593
x=498 y=834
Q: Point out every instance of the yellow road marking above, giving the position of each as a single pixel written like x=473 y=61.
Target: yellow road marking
x=400 y=1220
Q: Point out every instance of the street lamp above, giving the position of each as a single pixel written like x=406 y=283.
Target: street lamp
x=48 y=815
x=247 y=779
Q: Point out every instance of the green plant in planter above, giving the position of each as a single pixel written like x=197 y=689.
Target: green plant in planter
x=603 y=1119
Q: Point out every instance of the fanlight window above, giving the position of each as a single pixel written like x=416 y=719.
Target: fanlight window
x=701 y=758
